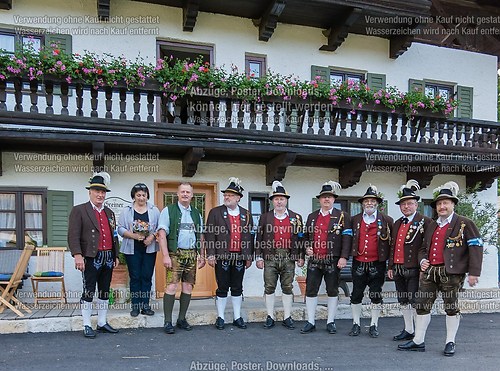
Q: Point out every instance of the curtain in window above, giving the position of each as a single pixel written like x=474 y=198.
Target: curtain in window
x=7 y=220
x=33 y=219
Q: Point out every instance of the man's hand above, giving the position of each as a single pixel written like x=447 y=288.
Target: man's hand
x=424 y=264
x=116 y=263
x=342 y=263
x=79 y=262
x=149 y=239
x=201 y=262
x=309 y=251
x=390 y=274
x=167 y=262
x=211 y=261
x=300 y=263
x=259 y=264
x=473 y=280
x=248 y=264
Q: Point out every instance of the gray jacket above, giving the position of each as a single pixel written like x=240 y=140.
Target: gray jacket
x=125 y=224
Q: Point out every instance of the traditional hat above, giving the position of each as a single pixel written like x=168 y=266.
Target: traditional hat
x=330 y=188
x=407 y=191
x=100 y=181
x=234 y=187
x=371 y=192
x=278 y=190
x=449 y=190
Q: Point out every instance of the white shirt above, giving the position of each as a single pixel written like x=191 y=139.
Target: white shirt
x=96 y=208
x=368 y=219
x=283 y=216
x=442 y=222
x=234 y=212
x=329 y=212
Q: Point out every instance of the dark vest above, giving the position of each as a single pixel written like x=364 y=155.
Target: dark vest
x=175 y=215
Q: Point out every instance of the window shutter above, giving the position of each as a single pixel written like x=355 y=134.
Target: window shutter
x=416 y=85
x=63 y=41
x=315 y=204
x=464 y=95
x=375 y=81
x=59 y=204
x=323 y=72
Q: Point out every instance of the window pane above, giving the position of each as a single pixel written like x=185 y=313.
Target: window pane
x=34 y=238
x=7 y=201
x=256 y=206
x=444 y=93
x=7 y=239
x=7 y=220
x=354 y=78
x=429 y=91
x=355 y=208
x=33 y=220
x=35 y=42
x=254 y=69
x=7 y=42
x=33 y=202
x=336 y=78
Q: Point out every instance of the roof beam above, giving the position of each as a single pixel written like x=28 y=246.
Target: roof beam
x=191 y=160
x=103 y=9
x=276 y=168
x=483 y=180
x=190 y=10
x=424 y=179
x=400 y=44
x=338 y=32
x=98 y=154
x=269 y=20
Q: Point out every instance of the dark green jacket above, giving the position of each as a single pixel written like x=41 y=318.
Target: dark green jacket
x=175 y=215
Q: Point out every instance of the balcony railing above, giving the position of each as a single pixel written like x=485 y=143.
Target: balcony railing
x=295 y=121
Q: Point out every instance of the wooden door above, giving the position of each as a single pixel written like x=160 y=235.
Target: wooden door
x=204 y=199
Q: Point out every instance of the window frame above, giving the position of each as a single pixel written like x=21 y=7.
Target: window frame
x=20 y=213
x=265 y=207
x=346 y=73
x=185 y=46
x=18 y=37
x=259 y=59
x=440 y=85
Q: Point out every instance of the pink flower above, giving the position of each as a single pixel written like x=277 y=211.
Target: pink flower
x=194 y=77
x=377 y=101
x=173 y=98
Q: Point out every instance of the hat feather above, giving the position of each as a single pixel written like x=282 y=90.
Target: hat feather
x=374 y=188
x=105 y=176
x=335 y=186
x=411 y=184
x=276 y=184
x=234 y=180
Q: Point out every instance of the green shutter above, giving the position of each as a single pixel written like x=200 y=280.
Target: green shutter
x=323 y=72
x=464 y=95
x=375 y=81
x=416 y=85
x=59 y=204
x=63 y=41
x=315 y=204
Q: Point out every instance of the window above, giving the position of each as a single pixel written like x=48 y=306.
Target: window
x=425 y=208
x=182 y=51
x=258 y=203
x=338 y=77
x=434 y=90
x=10 y=41
x=22 y=218
x=255 y=66
x=350 y=205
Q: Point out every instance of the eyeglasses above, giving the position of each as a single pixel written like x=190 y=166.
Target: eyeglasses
x=140 y=186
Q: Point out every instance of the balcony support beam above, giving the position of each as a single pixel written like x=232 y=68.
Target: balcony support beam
x=350 y=173
x=424 y=179
x=269 y=20
x=338 y=32
x=276 y=168
x=191 y=160
x=103 y=9
x=190 y=10
x=0 y=163
x=483 y=180
x=98 y=153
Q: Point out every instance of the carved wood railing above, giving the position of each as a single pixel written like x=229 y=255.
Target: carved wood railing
x=305 y=118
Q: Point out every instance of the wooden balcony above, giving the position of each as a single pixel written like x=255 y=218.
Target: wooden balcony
x=62 y=117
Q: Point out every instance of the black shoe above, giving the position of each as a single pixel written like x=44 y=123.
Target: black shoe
x=308 y=328
x=412 y=346
x=269 y=323
x=373 y=331
x=331 y=328
x=288 y=323
x=404 y=335
x=107 y=328
x=88 y=332
x=168 y=328
x=449 y=349
x=134 y=312
x=355 y=330
x=183 y=324
x=240 y=323
x=147 y=312
x=219 y=323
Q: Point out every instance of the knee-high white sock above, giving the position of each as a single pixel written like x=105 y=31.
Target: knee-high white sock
x=407 y=311
x=270 y=305
x=287 y=305
x=332 y=308
x=102 y=312
x=221 y=306
x=376 y=309
x=356 y=313
x=86 y=312
x=452 y=323
x=237 y=306
x=421 y=324
x=311 y=304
